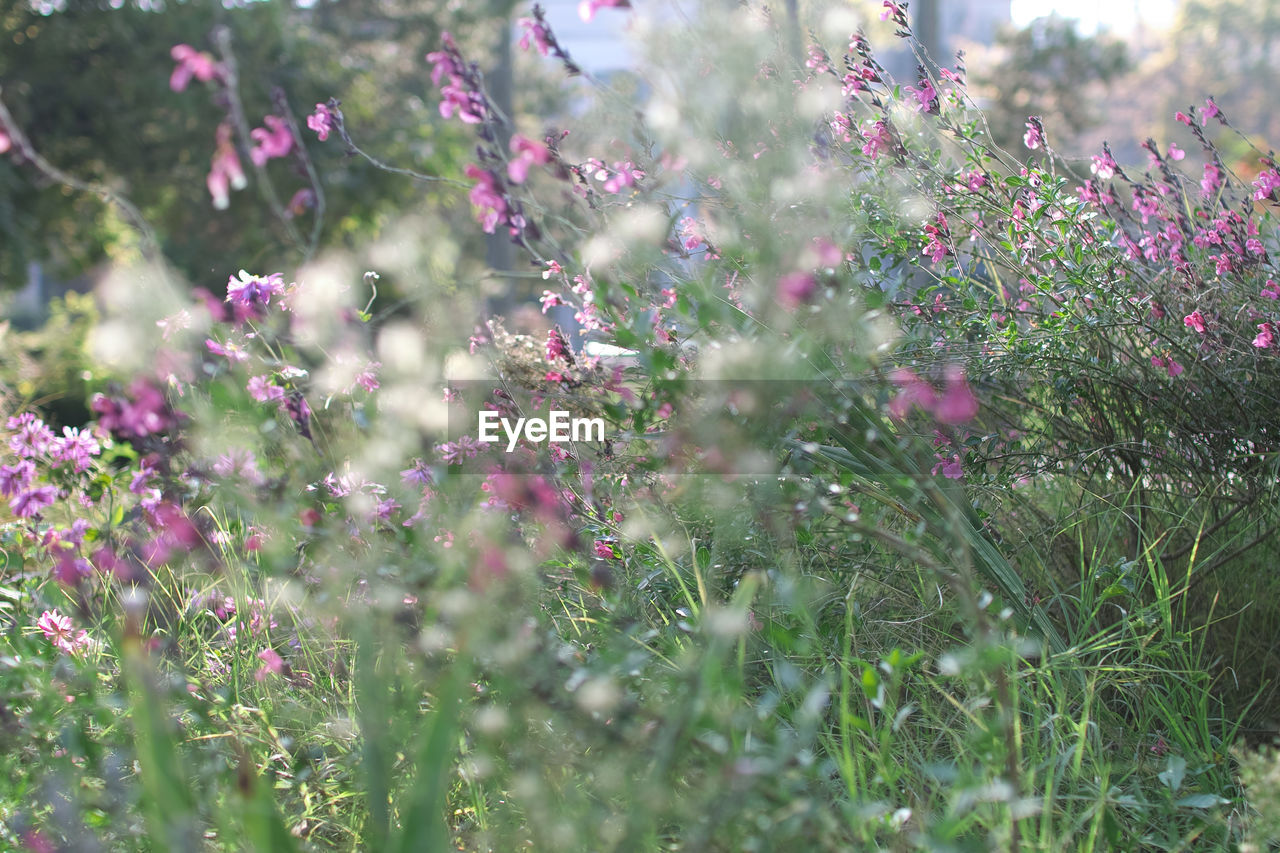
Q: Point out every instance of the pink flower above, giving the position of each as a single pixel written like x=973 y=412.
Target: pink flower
x=262 y=391
x=1195 y=320
x=272 y=664
x=1271 y=290
x=549 y=300
x=535 y=32
x=527 y=153
x=1173 y=368
x=1267 y=183
x=957 y=404
x=1211 y=181
x=1266 y=337
x=487 y=197
x=1033 y=139
x=795 y=288
x=1103 y=166
x=274 y=140
x=1210 y=110
x=468 y=105
x=587 y=8
x=891 y=9
x=949 y=465
x=625 y=174
x=231 y=351
x=603 y=549
x=556 y=347
x=1176 y=153
x=444 y=62
x=925 y=96
x=321 y=121
x=1182 y=117
x=915 y=392
x=192 y=63
x=59 y=631
x=225 y=172
x=877 y=140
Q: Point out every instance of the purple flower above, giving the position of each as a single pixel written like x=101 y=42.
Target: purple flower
x=76 y=447
x=14 y=478
x=28 y=504
x=253 y=291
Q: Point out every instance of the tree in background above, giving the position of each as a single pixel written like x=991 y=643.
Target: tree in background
x=88 y=84
x=1048 y=69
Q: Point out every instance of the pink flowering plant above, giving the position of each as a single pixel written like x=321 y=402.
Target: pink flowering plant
x=780 y=603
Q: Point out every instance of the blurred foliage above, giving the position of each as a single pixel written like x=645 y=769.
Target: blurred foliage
x=50 y=367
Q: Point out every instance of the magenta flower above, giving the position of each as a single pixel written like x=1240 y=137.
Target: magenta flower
x=274 y=140
x=925 y=96
x=192 y=63
x=321 y=121
x=1182 y=117
x=225 y=172
x=1267 y=183
x=587 y=8
x=1266 y=337
x=603 y=549
x=1176 y=153
x=1195 y=320
x=469 y=105
x=527 y=153
x=487 y=196
x=536 y=33
x=1271 y=290
x=891 y=9
x=556 y=347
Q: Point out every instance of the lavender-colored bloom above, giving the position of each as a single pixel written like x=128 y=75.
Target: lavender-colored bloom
x=33 y=438
x=28 y=504
x=14 y=478
x=76 y=447
x=254 y=290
